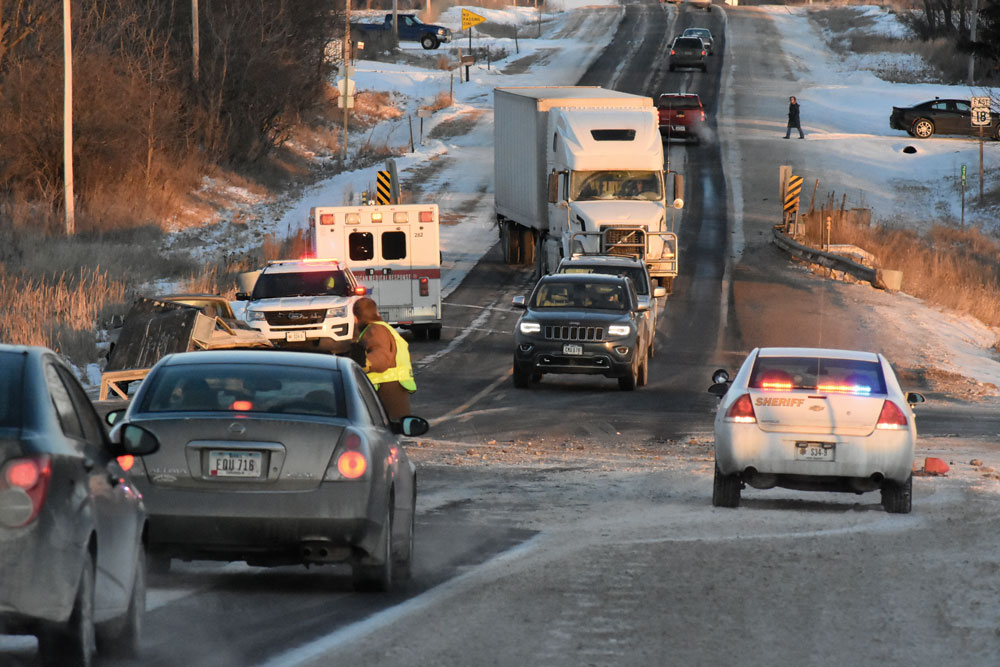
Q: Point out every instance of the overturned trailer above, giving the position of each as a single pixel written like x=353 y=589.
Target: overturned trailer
x=153 y=329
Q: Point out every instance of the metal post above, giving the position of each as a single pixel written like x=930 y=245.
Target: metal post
x=347 y=66
x=980 y=165
x=195 y=41
x=395 y=23
x=68 y=118
x=974 y=21
x=410 y=119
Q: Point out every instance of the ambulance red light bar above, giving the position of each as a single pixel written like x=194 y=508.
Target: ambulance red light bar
x=427 y=216
x=326 y=218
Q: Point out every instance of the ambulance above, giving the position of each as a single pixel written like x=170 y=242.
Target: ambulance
x=394 y=251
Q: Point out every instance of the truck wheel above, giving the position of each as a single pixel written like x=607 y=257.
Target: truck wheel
x=527 y=246
x=522 y=379
x=429 y=42
x=419 y=332
x=628 y=382
x=434 y=332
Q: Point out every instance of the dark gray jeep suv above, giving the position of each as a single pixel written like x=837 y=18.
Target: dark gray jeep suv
x=581 y=323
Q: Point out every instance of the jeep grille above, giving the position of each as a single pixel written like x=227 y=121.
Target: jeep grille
x=574 y=333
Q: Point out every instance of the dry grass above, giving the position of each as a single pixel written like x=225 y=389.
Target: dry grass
x=220 y=278
x=442 y=101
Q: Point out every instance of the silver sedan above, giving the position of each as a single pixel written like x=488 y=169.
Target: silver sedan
x=274 y=458
x=814 y=419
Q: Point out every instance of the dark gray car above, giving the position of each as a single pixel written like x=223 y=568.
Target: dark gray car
x=688 y=52
x=274 y=458
x=71 y=524
x=581 y=323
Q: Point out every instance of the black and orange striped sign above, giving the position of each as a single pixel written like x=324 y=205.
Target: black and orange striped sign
x=384 y=187
x=792 y=193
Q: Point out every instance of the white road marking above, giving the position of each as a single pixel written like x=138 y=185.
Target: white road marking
x=457 y=340
x=339 y=639
x=469 y=403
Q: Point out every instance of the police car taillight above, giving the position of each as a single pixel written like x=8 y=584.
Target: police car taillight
x=741 y=411
x=891 y=418
x=427 y=216
x=424 y=287
x=326 y=219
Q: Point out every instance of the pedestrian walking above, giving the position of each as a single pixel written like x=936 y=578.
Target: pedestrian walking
x=387 y=359
x=793 y=118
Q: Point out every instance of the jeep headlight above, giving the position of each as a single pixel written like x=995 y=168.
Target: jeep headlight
x=528 y=327
x=440 y=31
x=619 y=330
x=255 y=316
x=337 y=313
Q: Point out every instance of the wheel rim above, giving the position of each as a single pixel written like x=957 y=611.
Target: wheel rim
x=923 y=129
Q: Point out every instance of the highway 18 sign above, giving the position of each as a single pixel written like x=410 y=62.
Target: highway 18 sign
x=980 y=111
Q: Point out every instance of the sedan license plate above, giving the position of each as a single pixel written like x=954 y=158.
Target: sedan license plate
x=575 y=350
x=295 y=336
x=223 y=463
x=814 y=451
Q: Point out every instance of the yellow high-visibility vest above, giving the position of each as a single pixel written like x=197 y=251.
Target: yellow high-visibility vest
x=402 y=372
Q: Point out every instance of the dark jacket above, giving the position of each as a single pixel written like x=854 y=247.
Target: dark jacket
x=793 y=113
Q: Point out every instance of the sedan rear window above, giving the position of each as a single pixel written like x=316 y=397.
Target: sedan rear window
x=246 y=388
x=688 y=43
x=851 y=376
x=11 y=389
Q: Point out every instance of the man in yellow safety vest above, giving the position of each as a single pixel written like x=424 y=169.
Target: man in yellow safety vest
x=387 y=359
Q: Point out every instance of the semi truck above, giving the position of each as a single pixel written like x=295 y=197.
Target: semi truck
x=579 y=169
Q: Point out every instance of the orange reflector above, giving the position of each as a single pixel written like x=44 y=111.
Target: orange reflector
x=241 y=405
x=326 y=219
x=126 y=461
x=427 y=216
x=22 y=474
x=352 y=464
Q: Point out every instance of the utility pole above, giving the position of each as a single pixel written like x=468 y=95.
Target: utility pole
x=347 y=69
x=974 y=21
x=195 y=40
x=68 y=118
x=395 y=23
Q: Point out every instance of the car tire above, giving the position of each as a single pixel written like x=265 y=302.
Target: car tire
x=75 y=641
x=404 y=565
x=377 y=578
x=522 y=379
x=429 y=42
x=672 y=68
x=629 y=382
x=704 y=68
x=897 y=498
x=726 y=490
x=923 y=128
x=651 y=350
x=126 y=640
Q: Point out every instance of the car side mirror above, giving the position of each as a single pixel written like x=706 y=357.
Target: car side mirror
x=410 y=426
x=720 y=376
x=136 y=440
x=242 y=296
x=659 y=292
x=913 y=398
x=114 y=417
x=719 y=389
x=518 y=302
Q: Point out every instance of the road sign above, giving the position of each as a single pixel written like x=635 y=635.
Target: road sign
x=345 y=87
x=963 y=174
x=470 y=19
x=382 y=187
x=792 y=193
x=980 y=102
x=981 y=117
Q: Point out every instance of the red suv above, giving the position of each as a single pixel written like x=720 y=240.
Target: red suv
x=681 y=116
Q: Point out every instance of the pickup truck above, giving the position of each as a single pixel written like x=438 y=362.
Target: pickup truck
x=411 y=29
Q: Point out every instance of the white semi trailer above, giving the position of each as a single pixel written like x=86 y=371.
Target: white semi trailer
x=580 y=170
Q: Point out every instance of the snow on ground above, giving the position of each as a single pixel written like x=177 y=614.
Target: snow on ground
x=848 y=107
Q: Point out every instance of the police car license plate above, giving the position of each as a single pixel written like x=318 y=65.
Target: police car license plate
x=223 y=463
x=295 y=336
x=574 y=350
x=814 y=451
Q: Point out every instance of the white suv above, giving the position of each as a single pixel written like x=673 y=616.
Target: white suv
x=304 y=304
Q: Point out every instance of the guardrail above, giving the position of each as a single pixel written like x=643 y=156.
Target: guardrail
x=877 y=277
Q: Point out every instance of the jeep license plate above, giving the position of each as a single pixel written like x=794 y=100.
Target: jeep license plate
x=295 y=336
x=575 y=350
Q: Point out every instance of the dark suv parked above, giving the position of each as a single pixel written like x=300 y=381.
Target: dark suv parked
x=581 y=323
x=688 y=52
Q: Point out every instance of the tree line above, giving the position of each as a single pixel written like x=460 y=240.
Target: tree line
x=953 y=19
x=142 y=114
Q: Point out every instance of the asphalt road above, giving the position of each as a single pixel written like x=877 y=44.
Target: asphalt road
x=596 y=543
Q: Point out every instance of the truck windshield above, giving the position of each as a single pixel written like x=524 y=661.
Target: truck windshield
x=604 y=185
x=306 y=283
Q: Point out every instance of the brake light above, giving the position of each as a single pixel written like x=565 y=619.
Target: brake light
x=703 y=53
x=891 y=418
x=326 y=219
x=351 y=463
x=427 y=216
x=672 y=52
x=126 y=461
x=424 y=287
x=741 y=411
x=31 y=475
x=242 y=406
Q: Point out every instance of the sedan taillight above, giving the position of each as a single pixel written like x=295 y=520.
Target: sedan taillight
x=891 y=418
x=26 y=479
x=350 y=459
x=741 y=411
